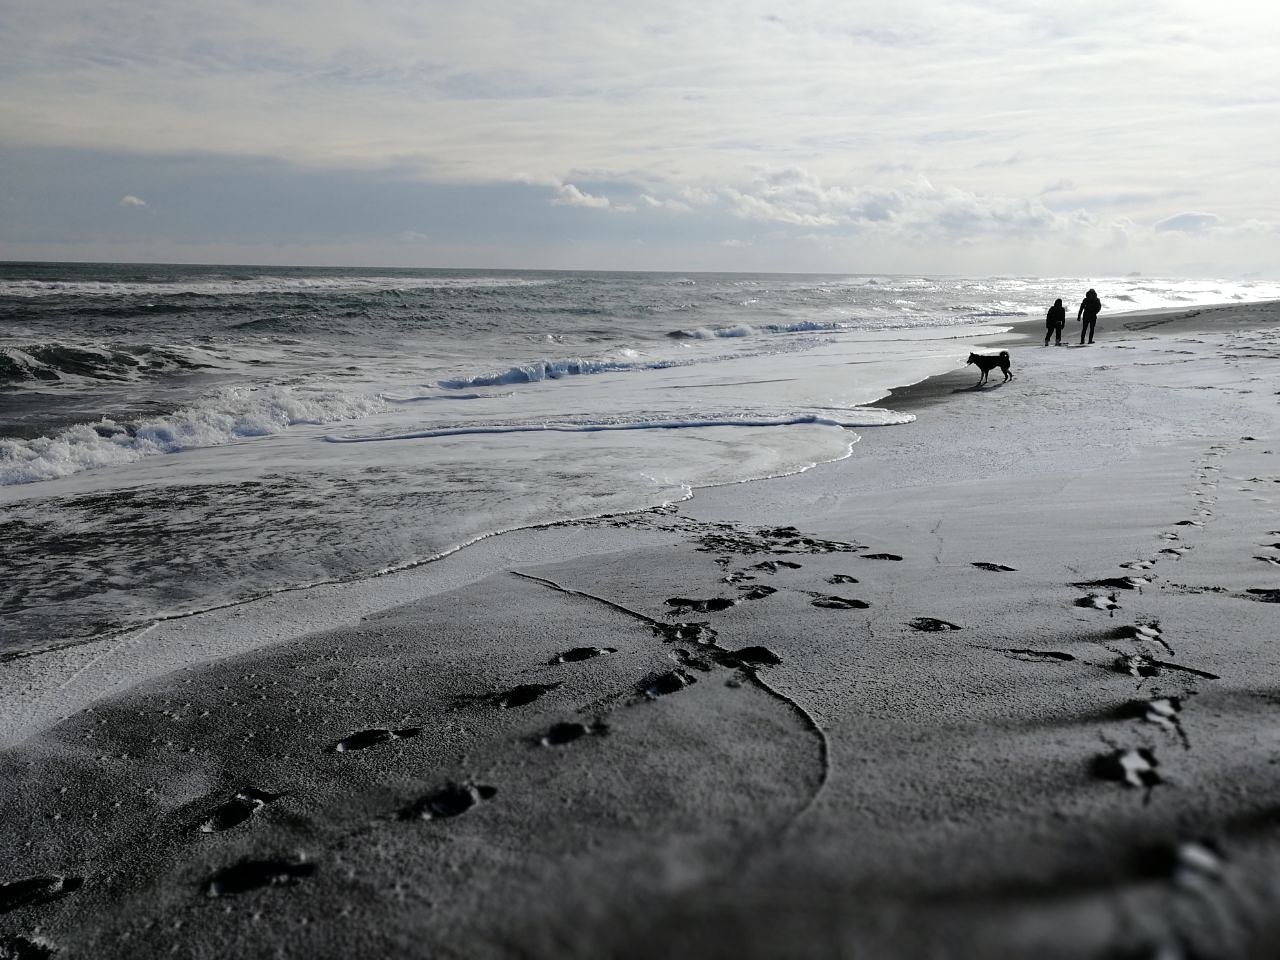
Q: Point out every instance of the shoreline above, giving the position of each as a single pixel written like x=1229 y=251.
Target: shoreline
x=27 y=690
x=1020 y=701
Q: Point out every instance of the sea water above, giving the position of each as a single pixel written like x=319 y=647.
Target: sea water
x=174 y=438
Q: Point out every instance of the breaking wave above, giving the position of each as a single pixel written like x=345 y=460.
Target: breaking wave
x=255 y=285
x=228 y=415
x=750 y=330
x=58 y=361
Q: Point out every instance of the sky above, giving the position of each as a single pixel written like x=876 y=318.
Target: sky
x=989 y=137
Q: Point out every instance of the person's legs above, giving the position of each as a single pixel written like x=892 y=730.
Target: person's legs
x=1047 y=334
x=1090 y=325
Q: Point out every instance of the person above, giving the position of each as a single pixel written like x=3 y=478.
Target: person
x=1089 y=308
x=1054 y=321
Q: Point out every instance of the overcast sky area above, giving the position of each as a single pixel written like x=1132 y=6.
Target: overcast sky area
x=1017 y=137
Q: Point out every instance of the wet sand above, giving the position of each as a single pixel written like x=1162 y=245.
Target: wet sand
x=1001 y=684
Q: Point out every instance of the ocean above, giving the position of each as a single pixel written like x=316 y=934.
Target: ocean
x=175 y=438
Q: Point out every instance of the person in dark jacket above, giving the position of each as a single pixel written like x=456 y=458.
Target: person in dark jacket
x=1054 y=321
x=1088 y=311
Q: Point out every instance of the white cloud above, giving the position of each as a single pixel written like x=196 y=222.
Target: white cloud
x=672 y=204
x=570 y=196
x=1187 y=222
x=130 y=200
x=684 y=105
x=797 y=197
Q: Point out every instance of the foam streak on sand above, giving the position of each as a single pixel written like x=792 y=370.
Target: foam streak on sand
x=863 y=419
x=893 y=727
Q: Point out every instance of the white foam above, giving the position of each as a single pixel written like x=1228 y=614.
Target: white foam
x=540 y=370
x=750 y=330
x=227 y=415
x=252 y=286
x=869 y=416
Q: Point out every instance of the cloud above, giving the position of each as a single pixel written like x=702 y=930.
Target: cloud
x=570 y=196
x=671 y=203
x=673 y=115
x=129 y=200
x=1058 y=186
x=1187 y=223
x=917 y=210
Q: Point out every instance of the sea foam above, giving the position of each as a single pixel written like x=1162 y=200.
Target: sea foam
x=227 y=415
x=862 y=417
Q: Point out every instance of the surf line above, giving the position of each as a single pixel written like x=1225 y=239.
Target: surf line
x=600 y=427
x=807 y=719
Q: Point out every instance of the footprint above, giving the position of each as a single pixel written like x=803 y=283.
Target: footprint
x=687 y=659
x=578 y=654
x=1263 y=594
x=34 y=890
x=238 y=809
x=1136 y=665
x=1189 y=523
x=748 y=657
x=524 y=694
x=1099 y=601
x=663 y=684
x=1138 y=565
x=254 y=874
x=1140 y=665
x=756 y=593
x=711 y=605
x=1169 y=536
x=841 y=578
x=1149 y=631
x=562 y=733
x=1036 y=656
x=880 y=556
x=1116 y=583
x=772 y=566
x=451 y=800
x=931 y=625
x=839 y=603
x=1132 y=767
x=20 y=948
x=775 y=541
x=1197 y=861
x=1271 y=560
x=993 y=567
x=372 y=738
x=700 y=633
x=1162 y=711
x=1175 y=551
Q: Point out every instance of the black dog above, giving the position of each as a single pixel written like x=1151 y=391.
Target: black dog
x=986 y=364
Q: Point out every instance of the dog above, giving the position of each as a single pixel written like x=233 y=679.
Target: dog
x=988 y=363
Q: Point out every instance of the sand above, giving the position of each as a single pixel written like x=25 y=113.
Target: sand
x=1001 y=684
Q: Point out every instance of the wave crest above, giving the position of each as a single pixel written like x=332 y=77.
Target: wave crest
x=749 y=330
x=57 y=361
x=230 y=414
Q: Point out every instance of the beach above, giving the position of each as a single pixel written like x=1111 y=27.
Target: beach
x=1001 y=682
